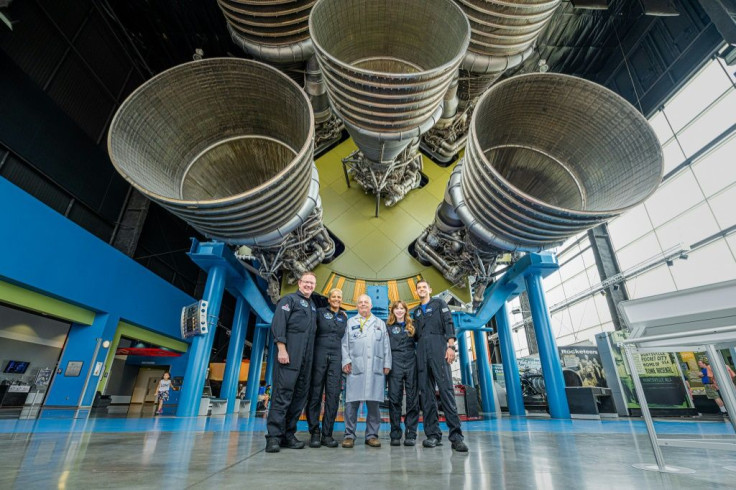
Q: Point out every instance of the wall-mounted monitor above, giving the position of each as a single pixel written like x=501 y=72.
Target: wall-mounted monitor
x=16 y=367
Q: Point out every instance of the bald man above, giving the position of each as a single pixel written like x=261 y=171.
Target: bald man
x=366 y=359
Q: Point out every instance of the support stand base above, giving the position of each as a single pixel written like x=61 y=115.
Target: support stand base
x=667 y=468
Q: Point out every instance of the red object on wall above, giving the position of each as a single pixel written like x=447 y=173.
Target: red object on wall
x=146 y=352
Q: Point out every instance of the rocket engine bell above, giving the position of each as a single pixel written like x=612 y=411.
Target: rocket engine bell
x=548 y=156
x=227 y=145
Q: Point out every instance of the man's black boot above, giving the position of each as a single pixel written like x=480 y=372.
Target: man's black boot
x=292 y=443
x=272 y=445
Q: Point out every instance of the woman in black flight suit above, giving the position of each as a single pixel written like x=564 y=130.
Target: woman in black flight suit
x=326 y=370
x=403 y=375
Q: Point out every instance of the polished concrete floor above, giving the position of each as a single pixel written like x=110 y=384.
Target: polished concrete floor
x=227 y=452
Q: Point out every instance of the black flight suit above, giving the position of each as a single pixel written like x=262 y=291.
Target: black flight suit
x=403 y=374
x=294 y=323
x=433 y=330
x=326 y=370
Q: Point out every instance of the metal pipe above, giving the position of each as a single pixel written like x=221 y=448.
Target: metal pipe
x=485 y=379
x=199 y=351
x=548 y=354
x=230 y=379
x=260 y=335
x=725 y=384
x=466 y=371
x=514 y=397
x=646 y=414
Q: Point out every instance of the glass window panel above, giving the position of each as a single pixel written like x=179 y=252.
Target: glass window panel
x=628 y=227
x=588 y=257
x=689 y=227
x=710 y=264
x=555 y=296
x=729 y=71
x=604 y=313
x=656 y=281
x=552 y=280
x=561 y=324
x=593 y=275
x=568 y=252
x=673 y=156
x=661 y=127
x=639 y=251
x=584 y=314
x=608 y=327
x=724 y=207
x=576 y=284
x=674 y=197
x=716 y=169
x=589 y=334
x=572 y=267
x=520 y=344
x=701 y=91
x=713 y=122
x=731 y=241
x=566 y=340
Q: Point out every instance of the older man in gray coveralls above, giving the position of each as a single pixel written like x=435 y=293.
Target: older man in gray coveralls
x=366 y=359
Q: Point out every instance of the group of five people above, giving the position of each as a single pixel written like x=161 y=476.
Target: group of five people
x=317 y=345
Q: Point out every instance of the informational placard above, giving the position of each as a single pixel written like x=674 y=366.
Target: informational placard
x=194 y=319
x=660 y=375
x=43 y=377
x=585 y=362
x=73 y=368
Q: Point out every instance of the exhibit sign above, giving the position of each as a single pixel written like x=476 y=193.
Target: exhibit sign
x=660 y=376
x=583 y=363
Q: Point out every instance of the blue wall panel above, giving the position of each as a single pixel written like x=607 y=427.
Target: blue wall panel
x=43 y=251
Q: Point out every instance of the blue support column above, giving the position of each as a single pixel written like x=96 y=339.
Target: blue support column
x=510 y=369
x=256 y=359
x=548 y=354
x=199 y=352
x=485 y=380
x=235 y=354
x=466 y=372
x=270 y=360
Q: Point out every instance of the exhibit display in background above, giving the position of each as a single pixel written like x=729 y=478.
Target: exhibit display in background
x=497 y=370
x=660 y=375
x=530 y=363
x=582 y=366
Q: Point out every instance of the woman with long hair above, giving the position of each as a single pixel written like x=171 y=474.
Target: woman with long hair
x=403 y=375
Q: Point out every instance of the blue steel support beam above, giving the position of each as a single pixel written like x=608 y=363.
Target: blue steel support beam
x=238 y=332
x=256 y=360
x=270 y=360
x=215 y=255
x=509 y=285
x=199 y=352
x=485 y=379
x=466 y=371
x=510 y=368
x=548 y=354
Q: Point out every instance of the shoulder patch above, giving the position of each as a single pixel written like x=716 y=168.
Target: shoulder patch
x=445 y=310
x=286 y=307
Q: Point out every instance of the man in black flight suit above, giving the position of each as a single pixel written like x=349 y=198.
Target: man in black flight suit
x=293 y=327
x=435 y=334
